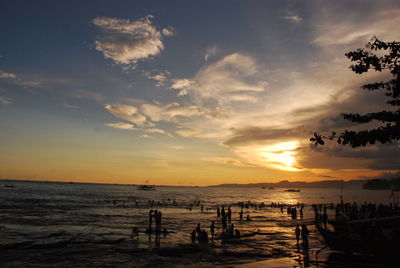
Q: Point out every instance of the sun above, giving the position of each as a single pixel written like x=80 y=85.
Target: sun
x=281 y=155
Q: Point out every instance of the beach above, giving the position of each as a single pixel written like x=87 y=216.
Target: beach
x=48 y=224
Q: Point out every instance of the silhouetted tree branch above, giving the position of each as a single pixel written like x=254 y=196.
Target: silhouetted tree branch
x=366 y=60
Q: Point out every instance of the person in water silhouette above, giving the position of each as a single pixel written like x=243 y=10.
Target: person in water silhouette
x=212 y=229
x=248 y=218
x=237 y=233
x=297 y=233
x=304 y=235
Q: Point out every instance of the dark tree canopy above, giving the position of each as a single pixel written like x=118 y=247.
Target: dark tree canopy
x=364 y=61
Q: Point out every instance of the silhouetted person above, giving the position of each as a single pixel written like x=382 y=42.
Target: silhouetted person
x=241 y=215
x=237 y=233
x=223 y=214
x=218 y=213
x=231 y=229
x=158 y=239
x=150 y=219
x=212 y=229
x=248 y=218
x=193 y=235
x=198 y=230
x=135 y=232
x=224 y=223
x=304 y=235
x=204 y=237
x=297 y=233
x=294 y=213
x=325 y=217
x=165 y=232
x=158 y=221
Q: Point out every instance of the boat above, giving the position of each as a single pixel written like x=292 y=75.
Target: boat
x=292 y=190
x=373 y=236
x=146 y=187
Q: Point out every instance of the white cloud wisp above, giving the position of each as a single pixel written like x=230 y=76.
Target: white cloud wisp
x=127 y=42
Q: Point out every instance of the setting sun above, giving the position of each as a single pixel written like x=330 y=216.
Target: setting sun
x=281 y=155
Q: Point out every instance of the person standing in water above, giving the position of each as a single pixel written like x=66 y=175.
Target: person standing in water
x=304 y=235
x=212 y=229
x=297 y=233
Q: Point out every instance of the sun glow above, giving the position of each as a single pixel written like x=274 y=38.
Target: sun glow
x=281 y=155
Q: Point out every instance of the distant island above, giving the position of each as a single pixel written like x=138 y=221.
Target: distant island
x=354 y=184
x=372 y=184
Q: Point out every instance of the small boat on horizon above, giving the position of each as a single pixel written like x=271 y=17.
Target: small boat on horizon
x=146 y=187
x=292 y=190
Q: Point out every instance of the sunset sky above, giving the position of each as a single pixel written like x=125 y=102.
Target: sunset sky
x=186 y=92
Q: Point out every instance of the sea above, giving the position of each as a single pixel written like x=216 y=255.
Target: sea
x=53 y=224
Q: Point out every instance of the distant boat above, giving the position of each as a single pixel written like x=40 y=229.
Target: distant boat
x=9 y=186
x=263 y=187
x=292 y=190
x=146 y=187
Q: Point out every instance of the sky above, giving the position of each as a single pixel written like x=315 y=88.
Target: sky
x=187 y=92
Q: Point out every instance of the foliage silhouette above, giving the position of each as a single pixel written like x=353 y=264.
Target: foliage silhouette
x=366 y=60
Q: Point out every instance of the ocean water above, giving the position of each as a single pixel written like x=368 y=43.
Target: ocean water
x=44 y=224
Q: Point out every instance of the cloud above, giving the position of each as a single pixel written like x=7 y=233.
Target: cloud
x=182 y=85
x=225 y=161
x=68 y=105
x=187 y=132
x=210 y=51
x=155 y=130
x=126 y=112
x=5 y=75
x=293 y=18
x=145 y=136
x=5 y=101
x=250 y=135
x=161 y=78
x=147 y=115
x=349 y=30
x=378 y=157
x=169 y=112
x=169 y=31
x=224 y=80
x=121 y=125
x=127 y=42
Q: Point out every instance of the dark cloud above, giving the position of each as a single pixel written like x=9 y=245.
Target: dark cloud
x=311 y=157
x=248 y=135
